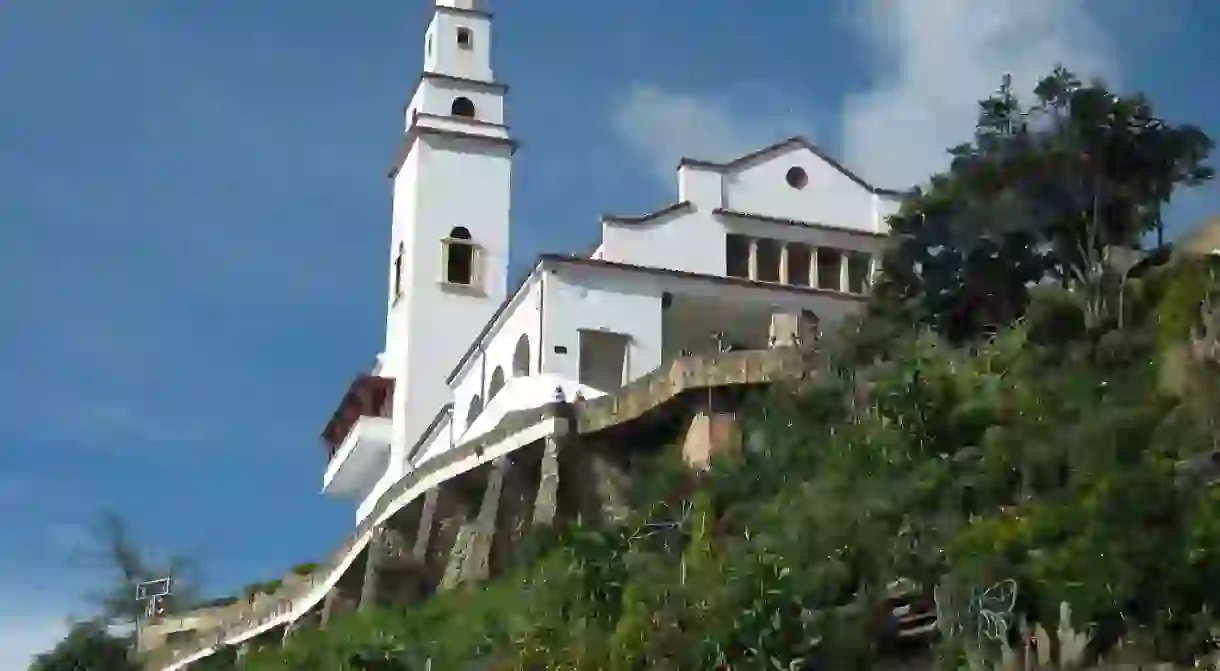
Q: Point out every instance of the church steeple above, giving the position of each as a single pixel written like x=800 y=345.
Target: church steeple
x=457 y=89
x=458 y=42
x=448 y=261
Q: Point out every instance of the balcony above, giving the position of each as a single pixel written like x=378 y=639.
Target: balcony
x=357 y=437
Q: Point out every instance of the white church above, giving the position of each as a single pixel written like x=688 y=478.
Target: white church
x=782 y=230
x=750 y=253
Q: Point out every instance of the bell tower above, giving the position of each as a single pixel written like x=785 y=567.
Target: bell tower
x=450 y=235
x=458 y=41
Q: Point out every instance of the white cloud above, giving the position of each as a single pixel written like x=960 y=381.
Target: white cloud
x=932 y=61
x=939 y=57
x=664 y=125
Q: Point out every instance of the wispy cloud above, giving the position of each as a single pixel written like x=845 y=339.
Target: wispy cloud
x=937 y=58
x=933 y=60
x=663 y=125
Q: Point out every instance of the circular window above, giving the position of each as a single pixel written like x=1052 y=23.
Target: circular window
x=796 y=177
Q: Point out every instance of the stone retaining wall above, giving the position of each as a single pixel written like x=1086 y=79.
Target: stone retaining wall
x=465 y=529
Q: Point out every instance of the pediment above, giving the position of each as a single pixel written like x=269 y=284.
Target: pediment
x=784 y=149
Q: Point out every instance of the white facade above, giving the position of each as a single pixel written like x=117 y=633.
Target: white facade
x=458 y=41
x=782 y=231
x=508 y=349
x=832 y=208
x=451 y=195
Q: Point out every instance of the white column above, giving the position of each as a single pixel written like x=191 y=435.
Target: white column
x=753 y=265
x=783 y=263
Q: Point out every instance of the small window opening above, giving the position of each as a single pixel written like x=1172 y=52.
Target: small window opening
x=463 y=107
x=496 y=384
x=828 y=269
x=736 y=255
x=397 y=287
x=459 y=257
x=799 y=257
x=476 y=409
x=767 y=260
x=521 y=357
x=465 y=38
x=796 y=177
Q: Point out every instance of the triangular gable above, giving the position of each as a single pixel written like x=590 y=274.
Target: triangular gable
x=766 y=153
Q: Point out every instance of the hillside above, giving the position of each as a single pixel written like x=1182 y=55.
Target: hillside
x=1005 y=441
x=1004 y=463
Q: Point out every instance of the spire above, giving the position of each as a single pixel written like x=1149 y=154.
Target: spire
x=457 y=84
x=458 y=42
x=452 y=200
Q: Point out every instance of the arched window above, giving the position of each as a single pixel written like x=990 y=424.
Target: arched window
x=521 y=357
x=397 y=278
x=460 y=256
x=496 y=384
x=463 y=107
x=476 y=409
x=465 y=38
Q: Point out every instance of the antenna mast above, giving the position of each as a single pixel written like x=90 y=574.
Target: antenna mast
x=153 y=594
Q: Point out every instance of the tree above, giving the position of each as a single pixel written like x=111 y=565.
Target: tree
x=115 y=550
x=87 y=647
x=953 y=468
x=90 y=645
x=1045 y=192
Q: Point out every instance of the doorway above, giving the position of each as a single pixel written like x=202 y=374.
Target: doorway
x=603 y=360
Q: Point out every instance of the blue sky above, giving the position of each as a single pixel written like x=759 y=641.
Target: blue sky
x=194 y=210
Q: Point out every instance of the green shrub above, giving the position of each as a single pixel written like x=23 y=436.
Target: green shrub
x=269 y=587
x=219 y=602
x=305 y=568
x=1054 y=315
x=1187 y=285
